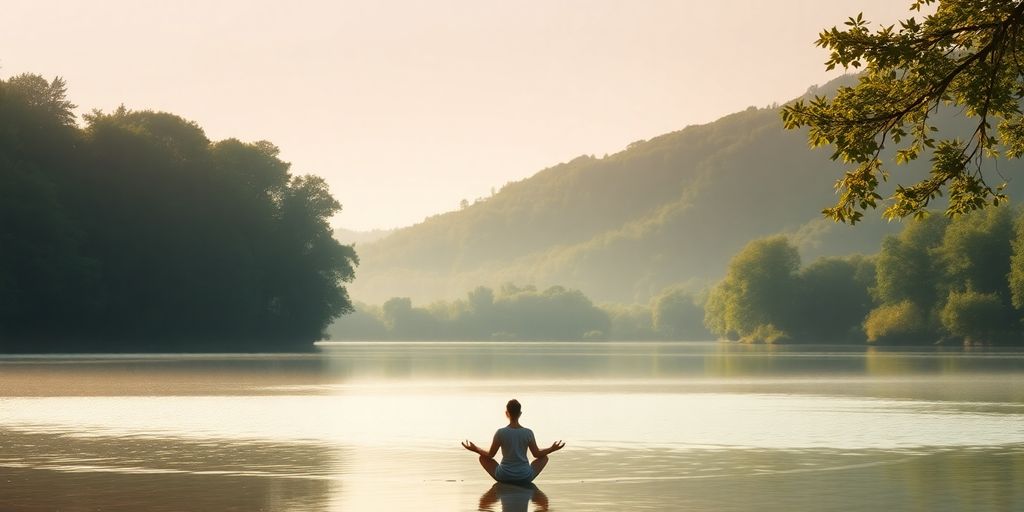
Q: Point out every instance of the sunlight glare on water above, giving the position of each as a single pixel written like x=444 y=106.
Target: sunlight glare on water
x=434 y=418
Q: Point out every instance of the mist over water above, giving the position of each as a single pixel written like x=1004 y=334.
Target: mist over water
x=648 y=426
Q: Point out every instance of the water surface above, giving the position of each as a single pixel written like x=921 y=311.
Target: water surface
x=648 y=426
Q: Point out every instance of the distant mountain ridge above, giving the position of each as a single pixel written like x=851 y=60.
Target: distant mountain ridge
x=668 y=211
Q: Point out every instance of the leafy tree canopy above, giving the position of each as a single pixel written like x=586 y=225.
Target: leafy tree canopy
x=966 y=56
x=755 y=295
x=138 y=233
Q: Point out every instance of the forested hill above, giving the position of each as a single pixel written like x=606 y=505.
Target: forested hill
x=622 y=227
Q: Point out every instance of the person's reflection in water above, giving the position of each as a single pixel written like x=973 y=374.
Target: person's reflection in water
x=513 y=498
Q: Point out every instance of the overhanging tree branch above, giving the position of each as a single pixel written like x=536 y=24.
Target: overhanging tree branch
x=957 y=57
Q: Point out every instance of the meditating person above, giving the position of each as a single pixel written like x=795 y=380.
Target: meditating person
x=513 y=441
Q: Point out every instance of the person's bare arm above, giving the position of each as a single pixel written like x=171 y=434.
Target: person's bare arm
x=469 y=445
x=538 y=453
x=495 y=444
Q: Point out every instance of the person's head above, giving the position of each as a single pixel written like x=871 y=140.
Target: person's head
x=513 y=409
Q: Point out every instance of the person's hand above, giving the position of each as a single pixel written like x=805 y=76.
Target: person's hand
x=555 y=446
x=470 y=446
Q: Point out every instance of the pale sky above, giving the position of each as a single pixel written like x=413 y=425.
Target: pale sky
x=408 y=107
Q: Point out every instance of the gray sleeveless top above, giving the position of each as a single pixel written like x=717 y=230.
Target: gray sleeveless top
x=514 y=443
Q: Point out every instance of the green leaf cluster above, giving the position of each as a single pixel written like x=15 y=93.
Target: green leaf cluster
x=966 y=57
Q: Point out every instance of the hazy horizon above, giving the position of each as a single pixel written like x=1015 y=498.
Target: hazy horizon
x=406 y=109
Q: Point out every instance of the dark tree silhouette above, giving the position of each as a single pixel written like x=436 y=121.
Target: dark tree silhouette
x=137 y=233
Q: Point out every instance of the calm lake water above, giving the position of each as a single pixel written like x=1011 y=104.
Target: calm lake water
x=647 y=426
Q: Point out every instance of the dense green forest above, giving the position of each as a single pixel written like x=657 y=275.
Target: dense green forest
x=624 y=227
x=137 y=233
x=937 y=281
